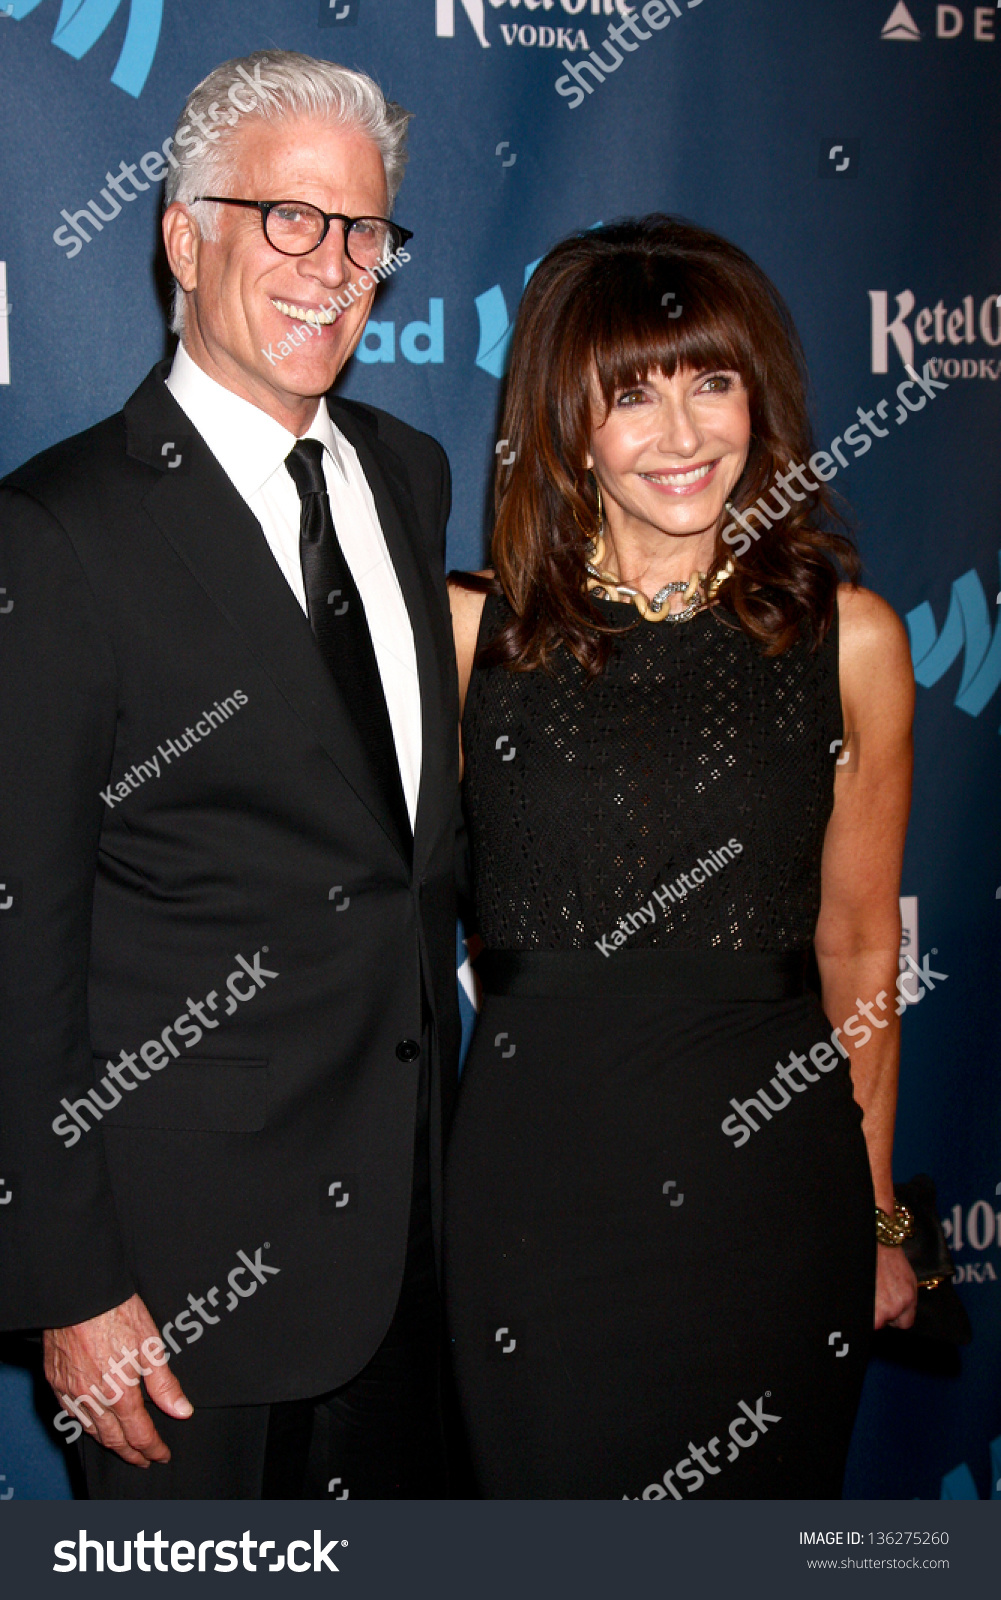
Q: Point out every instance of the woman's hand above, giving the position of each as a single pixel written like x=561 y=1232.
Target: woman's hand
x=896 y=1288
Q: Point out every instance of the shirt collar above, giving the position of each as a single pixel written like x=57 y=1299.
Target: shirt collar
x=249 y=445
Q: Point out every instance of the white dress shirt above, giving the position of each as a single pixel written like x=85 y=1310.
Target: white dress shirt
x=251 y=448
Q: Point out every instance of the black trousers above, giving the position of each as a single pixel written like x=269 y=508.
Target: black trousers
x=379 y=1437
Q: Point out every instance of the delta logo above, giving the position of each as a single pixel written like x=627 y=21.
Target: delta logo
x=548 y=25
x=80 y=25
x=950 y=23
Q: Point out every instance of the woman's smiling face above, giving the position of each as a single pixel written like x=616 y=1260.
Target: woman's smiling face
x=670 y=450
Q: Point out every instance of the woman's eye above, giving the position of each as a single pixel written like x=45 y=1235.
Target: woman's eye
x=719 y=383
x=630 y=397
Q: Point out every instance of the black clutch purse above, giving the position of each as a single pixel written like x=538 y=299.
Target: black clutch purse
x=940 y=1314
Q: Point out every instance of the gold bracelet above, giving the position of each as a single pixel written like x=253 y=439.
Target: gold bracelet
x=894 y=1230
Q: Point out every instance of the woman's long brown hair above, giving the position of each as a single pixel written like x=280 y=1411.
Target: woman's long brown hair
x=615 y=304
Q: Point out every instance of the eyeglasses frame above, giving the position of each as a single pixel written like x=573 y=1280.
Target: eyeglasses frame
x=265 y=208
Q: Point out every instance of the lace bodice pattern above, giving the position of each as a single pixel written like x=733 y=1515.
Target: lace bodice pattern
x=680 y=800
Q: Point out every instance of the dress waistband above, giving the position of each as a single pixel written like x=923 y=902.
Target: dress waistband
x=716 y=975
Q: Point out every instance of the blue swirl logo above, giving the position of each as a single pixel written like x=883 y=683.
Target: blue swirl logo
x=82 y=22
x=967 y=632
x=496 y=327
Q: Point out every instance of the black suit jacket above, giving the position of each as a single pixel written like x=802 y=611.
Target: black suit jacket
x=260 y=874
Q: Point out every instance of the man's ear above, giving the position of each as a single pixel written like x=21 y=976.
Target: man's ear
x=182 y=242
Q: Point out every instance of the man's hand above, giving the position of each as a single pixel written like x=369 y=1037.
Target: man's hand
x=107 y=1351
x=896 y=1288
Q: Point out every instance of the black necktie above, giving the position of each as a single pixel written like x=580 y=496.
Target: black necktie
x=337 y=618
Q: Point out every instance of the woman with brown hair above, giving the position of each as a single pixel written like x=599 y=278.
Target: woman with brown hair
x=687 y=766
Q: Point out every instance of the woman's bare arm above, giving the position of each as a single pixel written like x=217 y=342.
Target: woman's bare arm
x=858 y=932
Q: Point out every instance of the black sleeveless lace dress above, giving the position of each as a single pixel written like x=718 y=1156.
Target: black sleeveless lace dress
x=659 y=1233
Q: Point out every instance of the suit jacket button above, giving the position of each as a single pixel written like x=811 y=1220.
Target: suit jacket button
x=407 y=1050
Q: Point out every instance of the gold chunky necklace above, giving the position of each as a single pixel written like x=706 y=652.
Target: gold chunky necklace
x=697 y=594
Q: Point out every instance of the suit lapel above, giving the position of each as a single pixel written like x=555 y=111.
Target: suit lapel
x=220 y=541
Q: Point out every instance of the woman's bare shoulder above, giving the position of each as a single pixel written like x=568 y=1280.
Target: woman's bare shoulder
x=875 y=655
x=870 y=630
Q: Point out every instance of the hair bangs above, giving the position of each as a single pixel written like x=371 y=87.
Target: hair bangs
x=661 y=317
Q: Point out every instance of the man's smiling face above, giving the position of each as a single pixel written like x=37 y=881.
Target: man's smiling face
x=243 y=297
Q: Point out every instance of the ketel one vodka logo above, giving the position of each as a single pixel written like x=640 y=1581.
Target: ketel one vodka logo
x=977 y=1228
x=556 y=24
x=951 y=336
x=80 y=25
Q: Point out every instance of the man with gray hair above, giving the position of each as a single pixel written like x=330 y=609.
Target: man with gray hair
x=228 y=1019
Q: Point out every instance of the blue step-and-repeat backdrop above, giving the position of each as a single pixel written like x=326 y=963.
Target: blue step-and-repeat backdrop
x=853 y=149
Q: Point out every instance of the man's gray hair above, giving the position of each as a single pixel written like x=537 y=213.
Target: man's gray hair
x=273 y=86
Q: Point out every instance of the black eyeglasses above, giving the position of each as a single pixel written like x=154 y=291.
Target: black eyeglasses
x=295 y=229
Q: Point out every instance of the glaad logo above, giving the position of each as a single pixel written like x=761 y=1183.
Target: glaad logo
x=420 y=342
x=80 y=26
x=967 y=628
